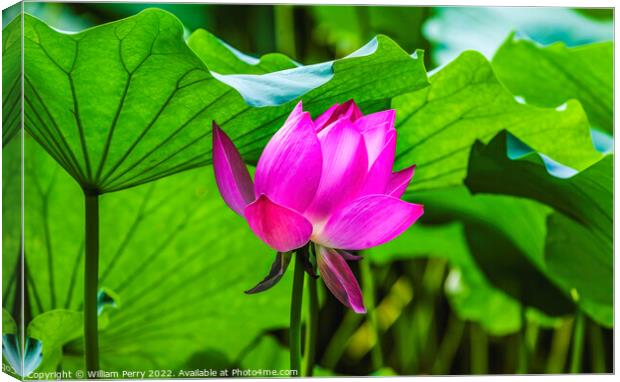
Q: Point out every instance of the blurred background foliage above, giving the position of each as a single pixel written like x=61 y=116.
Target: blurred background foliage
x=436 y=311
x=311 y=34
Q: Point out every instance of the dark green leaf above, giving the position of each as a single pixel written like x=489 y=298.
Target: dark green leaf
x=506 y=267
x=579 y=242
x=503 y=233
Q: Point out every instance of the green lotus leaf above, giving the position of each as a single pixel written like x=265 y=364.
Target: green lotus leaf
x=11 y=80
x=579 y=243
x=561 y=73
x=179 y=262
x=128 y=102
x=465 y=102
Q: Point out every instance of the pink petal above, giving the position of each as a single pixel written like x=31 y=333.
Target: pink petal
x=322 y=120
x=379 y=118
x=376 y=129
x=289 y=169
x=368 y=221
x=281 y=228
x=339 y=279
x=344 y=169
x=378 y=176
x=399 y=181
x=350 y=110
x=347 y=110
x=231 y=175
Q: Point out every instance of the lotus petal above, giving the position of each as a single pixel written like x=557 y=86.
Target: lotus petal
x=289 y=169
x=378 y=177
x=339 y=279
x=231 y=175
x=347 y=110
x=282 y=228
x=376 y=129
x=344 y=169
x=324 y=119
x=399 y=181
x=368 y=221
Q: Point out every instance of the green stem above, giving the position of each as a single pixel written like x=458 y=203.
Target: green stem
x=577 y=349
x=597 y=348
x=311 y=327
x=369 y=299
x=523 y=358
x=479 y=350
x=296 y=299
x=559 y=345
x=449 y=346
x=91 y=278
x=339 y=340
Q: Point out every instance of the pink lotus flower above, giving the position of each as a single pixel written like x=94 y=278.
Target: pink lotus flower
x=327 y=181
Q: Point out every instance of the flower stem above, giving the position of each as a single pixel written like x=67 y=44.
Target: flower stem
x=295 y=327
x=368 y=285
x=577 y=349
x=311 y=327
x=522 y=360
x=91 y=278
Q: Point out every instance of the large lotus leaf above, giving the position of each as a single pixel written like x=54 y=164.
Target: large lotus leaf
x=584 y=73
x=583 y=263
x=11 y=79
x=470 y=293
x=171 y=250
x=438 y=125
x=11 y=162
x=128 y=102
x=454 y=29
x=579 y=242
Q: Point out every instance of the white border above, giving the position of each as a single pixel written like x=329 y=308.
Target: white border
x=534 y=3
